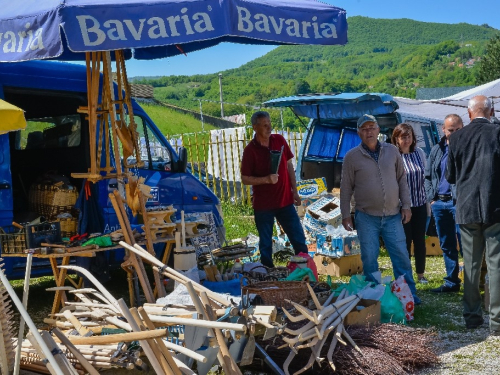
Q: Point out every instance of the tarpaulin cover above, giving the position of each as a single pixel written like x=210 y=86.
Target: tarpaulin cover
x=337 y=106
x=34 y=29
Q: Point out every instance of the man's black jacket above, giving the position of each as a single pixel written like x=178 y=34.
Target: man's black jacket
x=474 y=166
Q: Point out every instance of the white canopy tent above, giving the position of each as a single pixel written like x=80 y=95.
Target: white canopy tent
x=437 y=110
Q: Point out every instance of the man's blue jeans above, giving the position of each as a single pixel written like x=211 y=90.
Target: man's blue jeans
x=289 y=221
x=447 y=230
x=370 y=228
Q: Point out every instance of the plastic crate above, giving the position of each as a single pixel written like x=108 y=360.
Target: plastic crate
x=12 y=240
x=49 y=232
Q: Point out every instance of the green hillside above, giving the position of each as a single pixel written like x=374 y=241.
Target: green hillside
x=392 y=56
x=171 y=122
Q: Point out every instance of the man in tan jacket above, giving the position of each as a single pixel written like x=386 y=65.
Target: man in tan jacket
x=374 y=173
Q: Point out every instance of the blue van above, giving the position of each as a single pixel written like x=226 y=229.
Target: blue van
x=57 y=139
x=332 y=130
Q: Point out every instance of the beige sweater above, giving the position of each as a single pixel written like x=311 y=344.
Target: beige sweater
x=380 y=189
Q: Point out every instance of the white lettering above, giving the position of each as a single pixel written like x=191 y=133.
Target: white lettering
x=329 y=30
x=117 y=32
x=22 y=35
x=294 y=28
x=10 y=44
x=305 y=25
x=187 y=24
x=30 y=34
x=160 y=26
x=100 y=36
x=262 y=25
x=37 y=40
x=315 y=28
x=277 y=29
x=244 y=19
x=171 y=23
x=205 y=24
x=135 y=33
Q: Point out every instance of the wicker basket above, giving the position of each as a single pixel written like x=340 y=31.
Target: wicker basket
x=51 y=200
x=276 y=292
x=269 y=274
x=68 y=226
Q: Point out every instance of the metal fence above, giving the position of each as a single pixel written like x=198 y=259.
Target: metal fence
x=215 y=158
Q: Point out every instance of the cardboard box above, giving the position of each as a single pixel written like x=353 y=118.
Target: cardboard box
x=326 y=210
x=344 y=266
x=368 y=314
x=310 y=188
x=337 y=246
x=432 y=247
x=305 y=203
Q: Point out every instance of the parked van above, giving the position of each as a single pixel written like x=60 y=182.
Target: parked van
x=332 y=129
x=57 y=139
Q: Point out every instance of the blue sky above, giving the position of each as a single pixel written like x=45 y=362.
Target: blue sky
x=228 y=56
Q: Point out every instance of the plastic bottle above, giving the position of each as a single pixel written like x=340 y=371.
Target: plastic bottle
x=238 y=267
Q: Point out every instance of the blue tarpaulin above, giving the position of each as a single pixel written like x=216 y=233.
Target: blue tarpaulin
x=34 y=29
x=337 y=106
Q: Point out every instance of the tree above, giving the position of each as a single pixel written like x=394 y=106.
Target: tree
x=302 y=87
x=489 y=66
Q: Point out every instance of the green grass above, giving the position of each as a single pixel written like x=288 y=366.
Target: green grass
x=171 y=122
x=238 y=220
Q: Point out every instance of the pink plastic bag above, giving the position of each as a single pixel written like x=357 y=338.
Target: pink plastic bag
x=401 y=289
x=310 y=264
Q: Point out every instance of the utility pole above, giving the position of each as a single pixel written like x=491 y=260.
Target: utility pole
x=221 y=100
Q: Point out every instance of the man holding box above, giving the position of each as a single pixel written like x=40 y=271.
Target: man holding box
x=274 y=191
x=374 y=173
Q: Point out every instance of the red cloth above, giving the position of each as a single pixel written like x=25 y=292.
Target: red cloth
x=256 y=163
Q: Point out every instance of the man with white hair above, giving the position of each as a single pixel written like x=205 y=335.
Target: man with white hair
x=474 y=166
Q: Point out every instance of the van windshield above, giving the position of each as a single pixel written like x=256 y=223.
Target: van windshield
x=50 y=132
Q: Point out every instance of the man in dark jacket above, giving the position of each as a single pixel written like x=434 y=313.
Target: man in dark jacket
x=441 y=195
x=474 y=166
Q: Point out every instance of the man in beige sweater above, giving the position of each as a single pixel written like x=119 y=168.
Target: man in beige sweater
x=374 y=173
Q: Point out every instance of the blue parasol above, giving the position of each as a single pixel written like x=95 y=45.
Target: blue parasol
x=151 y=29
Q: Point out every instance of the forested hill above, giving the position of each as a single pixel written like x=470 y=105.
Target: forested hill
x=370 y=35
x=383 y=55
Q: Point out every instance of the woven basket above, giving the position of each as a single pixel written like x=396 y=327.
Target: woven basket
x=51 y=200
x=276 y=292
x=68 y=226
x=271 y=274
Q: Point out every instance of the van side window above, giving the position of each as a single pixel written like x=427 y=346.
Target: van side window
x=50 y=132
x=154 y=154
x=324 y=142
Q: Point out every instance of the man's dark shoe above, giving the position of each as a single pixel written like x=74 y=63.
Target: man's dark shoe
x=474 y=325
x=446 y=289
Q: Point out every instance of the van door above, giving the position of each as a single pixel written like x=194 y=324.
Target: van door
x=157 y=155
x=425 y=131
x=6 y=200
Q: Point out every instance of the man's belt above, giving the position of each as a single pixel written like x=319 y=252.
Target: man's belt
x=445 y=198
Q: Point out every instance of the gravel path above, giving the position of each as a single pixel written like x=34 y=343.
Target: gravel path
x=470 y=352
